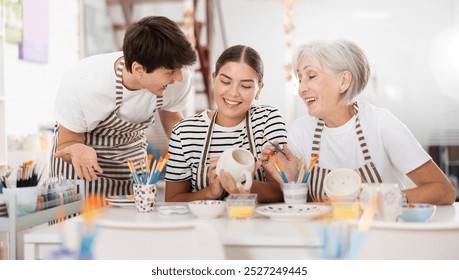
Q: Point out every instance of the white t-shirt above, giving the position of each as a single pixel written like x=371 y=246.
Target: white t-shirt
x=86 y=95
x=393 y=148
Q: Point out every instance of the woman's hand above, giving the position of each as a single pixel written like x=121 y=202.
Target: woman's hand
x=83 y=159
x=215 y=187
x=230 y=185
x=287 y=163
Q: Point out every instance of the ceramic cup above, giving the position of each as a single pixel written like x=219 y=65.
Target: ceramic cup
x=342 y=183
x=388 y=199
x=239 y=163
x=295 y=193
x=145 y=197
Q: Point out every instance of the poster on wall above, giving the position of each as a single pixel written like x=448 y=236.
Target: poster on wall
x=34 y=44
x=13 y=21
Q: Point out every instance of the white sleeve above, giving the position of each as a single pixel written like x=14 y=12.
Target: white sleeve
x=68 y=109
x=402 y=148
x=297 y=139
x=177 y=95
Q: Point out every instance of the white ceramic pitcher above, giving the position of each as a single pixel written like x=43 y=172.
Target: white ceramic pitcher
x=240 y=164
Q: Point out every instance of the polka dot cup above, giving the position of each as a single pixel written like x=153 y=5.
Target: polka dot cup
x=145 y=197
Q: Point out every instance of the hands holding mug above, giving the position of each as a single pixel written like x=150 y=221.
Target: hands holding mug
x=229 y=172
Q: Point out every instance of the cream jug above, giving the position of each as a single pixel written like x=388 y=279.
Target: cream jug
x=240 y=164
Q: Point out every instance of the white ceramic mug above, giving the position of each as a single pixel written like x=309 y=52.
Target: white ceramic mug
x=391 y=203
x=239 y=163
x=388 y=197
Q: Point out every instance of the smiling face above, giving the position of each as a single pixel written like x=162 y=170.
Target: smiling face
x=235 y=87
x=320 y=89
x=156 y=81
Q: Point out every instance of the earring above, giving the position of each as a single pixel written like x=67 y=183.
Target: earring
x=256 y=97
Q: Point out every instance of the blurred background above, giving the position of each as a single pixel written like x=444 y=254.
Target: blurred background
x=412 y=46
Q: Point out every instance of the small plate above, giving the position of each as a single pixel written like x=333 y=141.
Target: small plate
x=174 y=209
x=120 y=198
x=121 y=204
x=289 y=212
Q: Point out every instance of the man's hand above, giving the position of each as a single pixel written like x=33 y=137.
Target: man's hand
x=83 y=159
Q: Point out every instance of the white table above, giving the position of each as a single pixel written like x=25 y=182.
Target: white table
x=263 y=238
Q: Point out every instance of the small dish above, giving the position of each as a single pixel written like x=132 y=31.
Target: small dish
x=417 y=212
x=207 y=209
x=174 y=209
x=293 y=212
x=121 y=204
x=120 y=198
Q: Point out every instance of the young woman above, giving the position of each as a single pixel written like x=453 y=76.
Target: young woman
x=197 y=142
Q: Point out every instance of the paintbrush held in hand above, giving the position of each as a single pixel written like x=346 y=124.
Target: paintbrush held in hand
x=272 y=144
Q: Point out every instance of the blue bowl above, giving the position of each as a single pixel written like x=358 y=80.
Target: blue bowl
x=417 y=212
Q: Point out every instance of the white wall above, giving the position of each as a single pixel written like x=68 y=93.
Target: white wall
x=31 y=87
x=397 y=35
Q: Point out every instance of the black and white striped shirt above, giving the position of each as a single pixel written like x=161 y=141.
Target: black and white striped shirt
x=187 y=140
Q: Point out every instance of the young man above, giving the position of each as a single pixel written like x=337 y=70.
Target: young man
x=106 y=102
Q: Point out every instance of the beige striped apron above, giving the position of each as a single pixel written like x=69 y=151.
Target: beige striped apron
x=201 y=180
x=368 y=171
x=115 y=141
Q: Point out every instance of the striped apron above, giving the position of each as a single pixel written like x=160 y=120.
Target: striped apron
x=115 y=141
x=368 y=171
x=202 y=168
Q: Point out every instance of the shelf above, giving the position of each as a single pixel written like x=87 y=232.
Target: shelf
x=13 y=224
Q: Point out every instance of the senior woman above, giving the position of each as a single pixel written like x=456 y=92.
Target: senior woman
x=350 y=134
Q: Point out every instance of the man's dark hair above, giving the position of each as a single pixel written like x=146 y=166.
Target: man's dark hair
x=155 y=42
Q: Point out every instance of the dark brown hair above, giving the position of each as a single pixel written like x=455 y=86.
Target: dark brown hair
x=155 y=42
x=240 y=53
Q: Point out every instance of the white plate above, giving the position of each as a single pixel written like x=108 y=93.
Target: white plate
x=121 y=204
x=173 y=209
x=289 y=212
x=120 y=198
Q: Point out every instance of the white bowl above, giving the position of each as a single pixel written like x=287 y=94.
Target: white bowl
x=417 y=212
x=342 y=183
x=207 y=209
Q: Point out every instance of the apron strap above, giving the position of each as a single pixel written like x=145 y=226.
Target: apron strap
x=251 y=140
x=201 y=176
x=119 y=85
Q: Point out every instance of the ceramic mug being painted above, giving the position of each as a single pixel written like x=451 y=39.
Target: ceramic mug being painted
x=240 y=164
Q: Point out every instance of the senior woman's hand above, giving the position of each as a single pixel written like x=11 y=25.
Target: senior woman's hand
x=288 y=163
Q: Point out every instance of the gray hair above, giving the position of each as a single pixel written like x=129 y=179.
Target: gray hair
x=337 y=56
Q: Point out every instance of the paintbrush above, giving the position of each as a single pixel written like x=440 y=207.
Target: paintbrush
x=272 y=144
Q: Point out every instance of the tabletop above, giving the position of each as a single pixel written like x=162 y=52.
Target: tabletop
x=263 y=238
